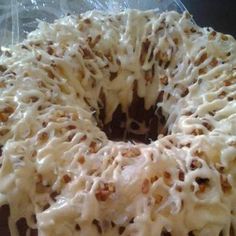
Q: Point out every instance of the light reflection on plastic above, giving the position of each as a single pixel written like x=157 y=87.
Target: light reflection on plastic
x=17 y=20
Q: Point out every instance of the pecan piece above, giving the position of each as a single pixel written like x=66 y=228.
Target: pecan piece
x=145 y=186
x=226 y=187
x=131 y=152
x=43 y=137
x=104 y=191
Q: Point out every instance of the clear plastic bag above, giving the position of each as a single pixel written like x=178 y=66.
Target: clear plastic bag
x=19 y=17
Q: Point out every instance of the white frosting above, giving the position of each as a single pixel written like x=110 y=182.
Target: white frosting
x=184 y=182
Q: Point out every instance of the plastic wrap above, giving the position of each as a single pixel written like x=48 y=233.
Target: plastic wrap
x=19 y=17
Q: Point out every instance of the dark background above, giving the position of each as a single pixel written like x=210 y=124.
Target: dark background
x=218 y=14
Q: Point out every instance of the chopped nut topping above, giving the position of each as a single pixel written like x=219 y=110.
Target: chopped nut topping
x=94 y=147
x=226 y=187
x=87 y=21
x=161 y=57
x=53 y=195
x=118 y=62
x=214 y=62
x=178 y=188
x=3 y=117
x=167 y=175
x=212 y=35
x=181 y=175
x=50 y=74
x=33 y=99
x=148 y=75
x=2 y=84
x=92 y=43
x=50 y=42
x=192 y=187
x=83 y=138
x=185 y=92
x=154 y=179
x=145 y=186
x=144 y=50
x=8 y=110
x=74 y=116
x=5 y=113
x=160 y=96
x=104 y=191
x=199 y=153
x=227 y=83
x=70 y=127
x=207 y=125
x=87 y=54
x=7 y=54
x=176 y=41
x=230 y=99
x=167 y=178
x=39 y=57
x=232 y=143
x=39 y=178
x=132 y=152
x=195 y=164
x=185 y=145
x=3 y=68
x=4 y=131
x=81 y=159
x=44 y=124
x=34 y=153
x=50 y=50
x=220 y=167
x=202 y=188
x=158 y=199
x=109 y=56
x=230 y=81
x=43 y=137
x=164 y=80
x=66 y=178
x=202 y=71
x=97 y=39
x=197 y=132
x=201 y=59
x=70 y=137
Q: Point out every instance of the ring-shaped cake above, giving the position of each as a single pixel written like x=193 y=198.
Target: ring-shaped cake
x=119 y=124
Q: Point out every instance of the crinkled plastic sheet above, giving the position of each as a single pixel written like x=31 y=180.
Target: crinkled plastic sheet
x=18 y=17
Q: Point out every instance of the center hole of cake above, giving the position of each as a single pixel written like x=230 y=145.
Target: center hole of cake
x=137 y=125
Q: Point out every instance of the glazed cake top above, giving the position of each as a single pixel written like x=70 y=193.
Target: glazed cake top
x=59 y=166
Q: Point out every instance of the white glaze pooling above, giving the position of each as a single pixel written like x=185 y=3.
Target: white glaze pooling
x=54 y=153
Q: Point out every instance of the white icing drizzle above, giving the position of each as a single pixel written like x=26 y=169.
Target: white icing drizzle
x=59 y=166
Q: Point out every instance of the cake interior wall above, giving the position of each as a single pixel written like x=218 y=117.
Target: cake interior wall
x=137 y=124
